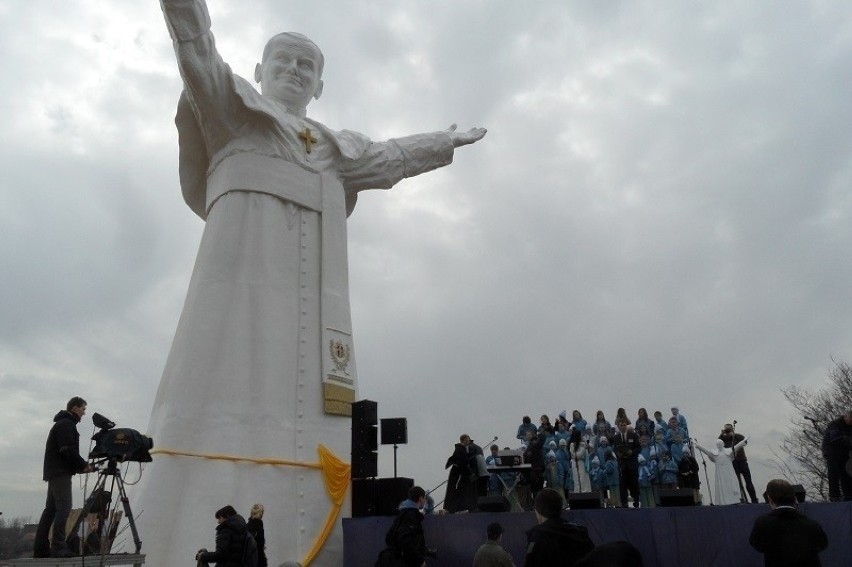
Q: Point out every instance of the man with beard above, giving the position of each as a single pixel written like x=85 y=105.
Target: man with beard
x=740 y=461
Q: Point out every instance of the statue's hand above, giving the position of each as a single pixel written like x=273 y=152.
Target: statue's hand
x=465 y=138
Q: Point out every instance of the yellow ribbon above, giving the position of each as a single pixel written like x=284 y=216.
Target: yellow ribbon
x=335 y=473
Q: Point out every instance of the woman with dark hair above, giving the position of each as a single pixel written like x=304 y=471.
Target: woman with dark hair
x=620 y=416
x=643 y=419
x=601 y=427
x=545 y=426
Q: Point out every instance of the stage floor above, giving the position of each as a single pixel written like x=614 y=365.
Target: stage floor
x=695 y=536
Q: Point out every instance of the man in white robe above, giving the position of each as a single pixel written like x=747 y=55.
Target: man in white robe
x=262 y=362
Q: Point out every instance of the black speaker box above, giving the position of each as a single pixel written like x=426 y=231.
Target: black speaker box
x=365 y=439
x=363 y=497
x=394 y=431
x=390 y=492
x=677 y=497
x=584 y=500
x=498 y=503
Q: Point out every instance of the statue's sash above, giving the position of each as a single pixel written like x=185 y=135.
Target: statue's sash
x=323 y=194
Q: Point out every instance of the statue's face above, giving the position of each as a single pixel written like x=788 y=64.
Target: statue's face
x=291 y=71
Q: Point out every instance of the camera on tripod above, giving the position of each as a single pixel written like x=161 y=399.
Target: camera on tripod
x=119 y=445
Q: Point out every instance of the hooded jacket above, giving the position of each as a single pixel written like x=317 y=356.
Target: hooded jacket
x=230 y=543
x=62 y=449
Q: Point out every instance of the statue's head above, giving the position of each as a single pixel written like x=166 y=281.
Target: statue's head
x=291 y=70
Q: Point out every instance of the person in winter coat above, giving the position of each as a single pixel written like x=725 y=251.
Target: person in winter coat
x=231 y=536
x=554 y=540
x=668 y=472
x=255 y=528
x=567 y=464
x=613 y=479
x=647 y=476
x=62 y=460
x=405 y=538
x=526 y=425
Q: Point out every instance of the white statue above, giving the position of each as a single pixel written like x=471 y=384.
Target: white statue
x=727 y=488
x=262 y=364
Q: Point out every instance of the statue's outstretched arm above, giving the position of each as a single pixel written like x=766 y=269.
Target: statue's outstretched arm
x=465 y=138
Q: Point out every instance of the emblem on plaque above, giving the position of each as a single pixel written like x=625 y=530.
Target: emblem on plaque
x=340 y=355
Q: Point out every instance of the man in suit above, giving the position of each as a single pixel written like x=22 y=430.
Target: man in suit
x=784 y=536
x=626 y=445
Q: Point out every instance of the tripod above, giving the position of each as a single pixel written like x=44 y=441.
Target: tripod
x=100 y=494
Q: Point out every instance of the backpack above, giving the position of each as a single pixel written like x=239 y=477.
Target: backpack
x=249 y=551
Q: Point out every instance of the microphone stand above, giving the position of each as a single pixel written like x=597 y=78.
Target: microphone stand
x=733 y=456
x=706 y=475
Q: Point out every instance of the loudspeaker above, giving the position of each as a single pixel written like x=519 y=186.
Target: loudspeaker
x=800 y=492
x=497 y=503
x=390 y=492
x=677 y=497
x=394 y=431
x=584 y=500
x=365 y=439
x=363 y=497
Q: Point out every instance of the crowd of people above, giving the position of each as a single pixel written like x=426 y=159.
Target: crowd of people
x=629 y=461
x=784 y=536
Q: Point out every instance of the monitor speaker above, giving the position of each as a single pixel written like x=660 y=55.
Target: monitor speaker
x=677 y=497
x=584 y=500
x=498 y=503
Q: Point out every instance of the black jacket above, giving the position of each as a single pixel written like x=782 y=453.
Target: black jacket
x=406 y=538
x=255 y=528
x=788 y=538
x=627 y=451
x=557 y=542
x=230 y=543
x=62 y=450
x=837 y=440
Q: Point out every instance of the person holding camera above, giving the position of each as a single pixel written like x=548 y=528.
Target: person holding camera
x=62 y=460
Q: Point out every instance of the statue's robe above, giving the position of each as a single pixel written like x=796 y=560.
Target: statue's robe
x=263 y=349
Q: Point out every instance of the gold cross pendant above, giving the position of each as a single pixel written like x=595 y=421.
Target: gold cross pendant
x=308 y=139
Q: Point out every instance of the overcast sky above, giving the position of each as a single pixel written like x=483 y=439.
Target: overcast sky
x=659 y=214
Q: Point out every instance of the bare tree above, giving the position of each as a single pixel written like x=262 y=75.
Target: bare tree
x=799 y=457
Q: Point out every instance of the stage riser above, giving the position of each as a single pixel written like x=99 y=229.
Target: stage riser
x=698 y=536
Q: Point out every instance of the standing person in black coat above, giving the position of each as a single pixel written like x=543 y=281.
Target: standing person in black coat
x=626 y=446
x=461 y=483
x=230 y=540
x=406 y=544
x=785 y=537
x=255 y=528
x=837 y=448
x=555 y=541
x=62 y=460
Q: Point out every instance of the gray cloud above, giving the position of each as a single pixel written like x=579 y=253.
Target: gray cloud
x=658 y=215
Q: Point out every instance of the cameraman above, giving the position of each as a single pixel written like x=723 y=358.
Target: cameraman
x=62 y=460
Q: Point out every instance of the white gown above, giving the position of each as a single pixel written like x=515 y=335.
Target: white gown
x=727 y=489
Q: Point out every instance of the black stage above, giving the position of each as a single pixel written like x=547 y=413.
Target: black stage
x=695 y=536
